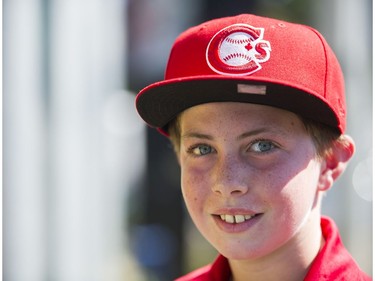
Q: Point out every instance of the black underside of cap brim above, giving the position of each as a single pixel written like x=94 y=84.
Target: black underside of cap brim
x=159 y=105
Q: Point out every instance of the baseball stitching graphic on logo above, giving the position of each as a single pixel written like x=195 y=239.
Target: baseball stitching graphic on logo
x=238 y=49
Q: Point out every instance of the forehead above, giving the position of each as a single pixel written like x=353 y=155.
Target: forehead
x=233 y=121
x=231 y=115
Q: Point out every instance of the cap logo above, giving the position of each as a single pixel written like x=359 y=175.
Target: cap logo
x=238 y=49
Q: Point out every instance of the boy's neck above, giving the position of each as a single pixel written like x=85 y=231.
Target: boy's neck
x=290 y=262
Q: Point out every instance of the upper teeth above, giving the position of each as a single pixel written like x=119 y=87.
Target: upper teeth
x=235 y=218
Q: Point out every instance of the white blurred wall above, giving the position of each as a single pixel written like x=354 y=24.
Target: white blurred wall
x=24 y=255
x=73 y=145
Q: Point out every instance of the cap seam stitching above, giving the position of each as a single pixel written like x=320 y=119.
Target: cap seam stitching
x=326 y=60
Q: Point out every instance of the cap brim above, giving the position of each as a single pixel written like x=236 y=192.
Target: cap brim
x=161 y=102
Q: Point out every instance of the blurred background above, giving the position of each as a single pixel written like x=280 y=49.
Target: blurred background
x=90 y=193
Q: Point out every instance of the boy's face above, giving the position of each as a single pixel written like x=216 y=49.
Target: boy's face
x=253 y=165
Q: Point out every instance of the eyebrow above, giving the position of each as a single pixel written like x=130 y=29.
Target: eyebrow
x=253 y=133
x=197 y=136
x=240 y=137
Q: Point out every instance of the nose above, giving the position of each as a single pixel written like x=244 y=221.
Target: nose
x=230 y=177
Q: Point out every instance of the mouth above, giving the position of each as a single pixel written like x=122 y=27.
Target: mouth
x=235 y=219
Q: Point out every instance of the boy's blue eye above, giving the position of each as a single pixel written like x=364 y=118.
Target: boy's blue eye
x=262 y=146
x=202 y=150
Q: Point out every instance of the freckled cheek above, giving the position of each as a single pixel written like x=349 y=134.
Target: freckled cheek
x=194 y=188
x=294 y=194
x=277 y=185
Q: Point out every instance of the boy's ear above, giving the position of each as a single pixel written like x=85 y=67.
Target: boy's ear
x=334 y=164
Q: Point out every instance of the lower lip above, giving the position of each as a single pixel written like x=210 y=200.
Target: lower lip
x=236 y=227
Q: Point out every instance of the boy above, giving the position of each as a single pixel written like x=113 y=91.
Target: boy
x=255 y=109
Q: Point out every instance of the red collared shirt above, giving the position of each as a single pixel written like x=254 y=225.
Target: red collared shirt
x=333 y=262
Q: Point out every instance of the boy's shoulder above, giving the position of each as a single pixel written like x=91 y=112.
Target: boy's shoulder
x=334 y=262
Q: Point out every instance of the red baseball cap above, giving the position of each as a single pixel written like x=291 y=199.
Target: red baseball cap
x=248 y=58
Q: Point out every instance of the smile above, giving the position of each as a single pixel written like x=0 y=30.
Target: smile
x=236 y=218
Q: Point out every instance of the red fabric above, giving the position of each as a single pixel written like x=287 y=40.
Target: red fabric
x=332 y=263
x=290 y=55
x=217 y=271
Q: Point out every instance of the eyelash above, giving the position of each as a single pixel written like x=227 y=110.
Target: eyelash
x=191 y=149
x=272 y=145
